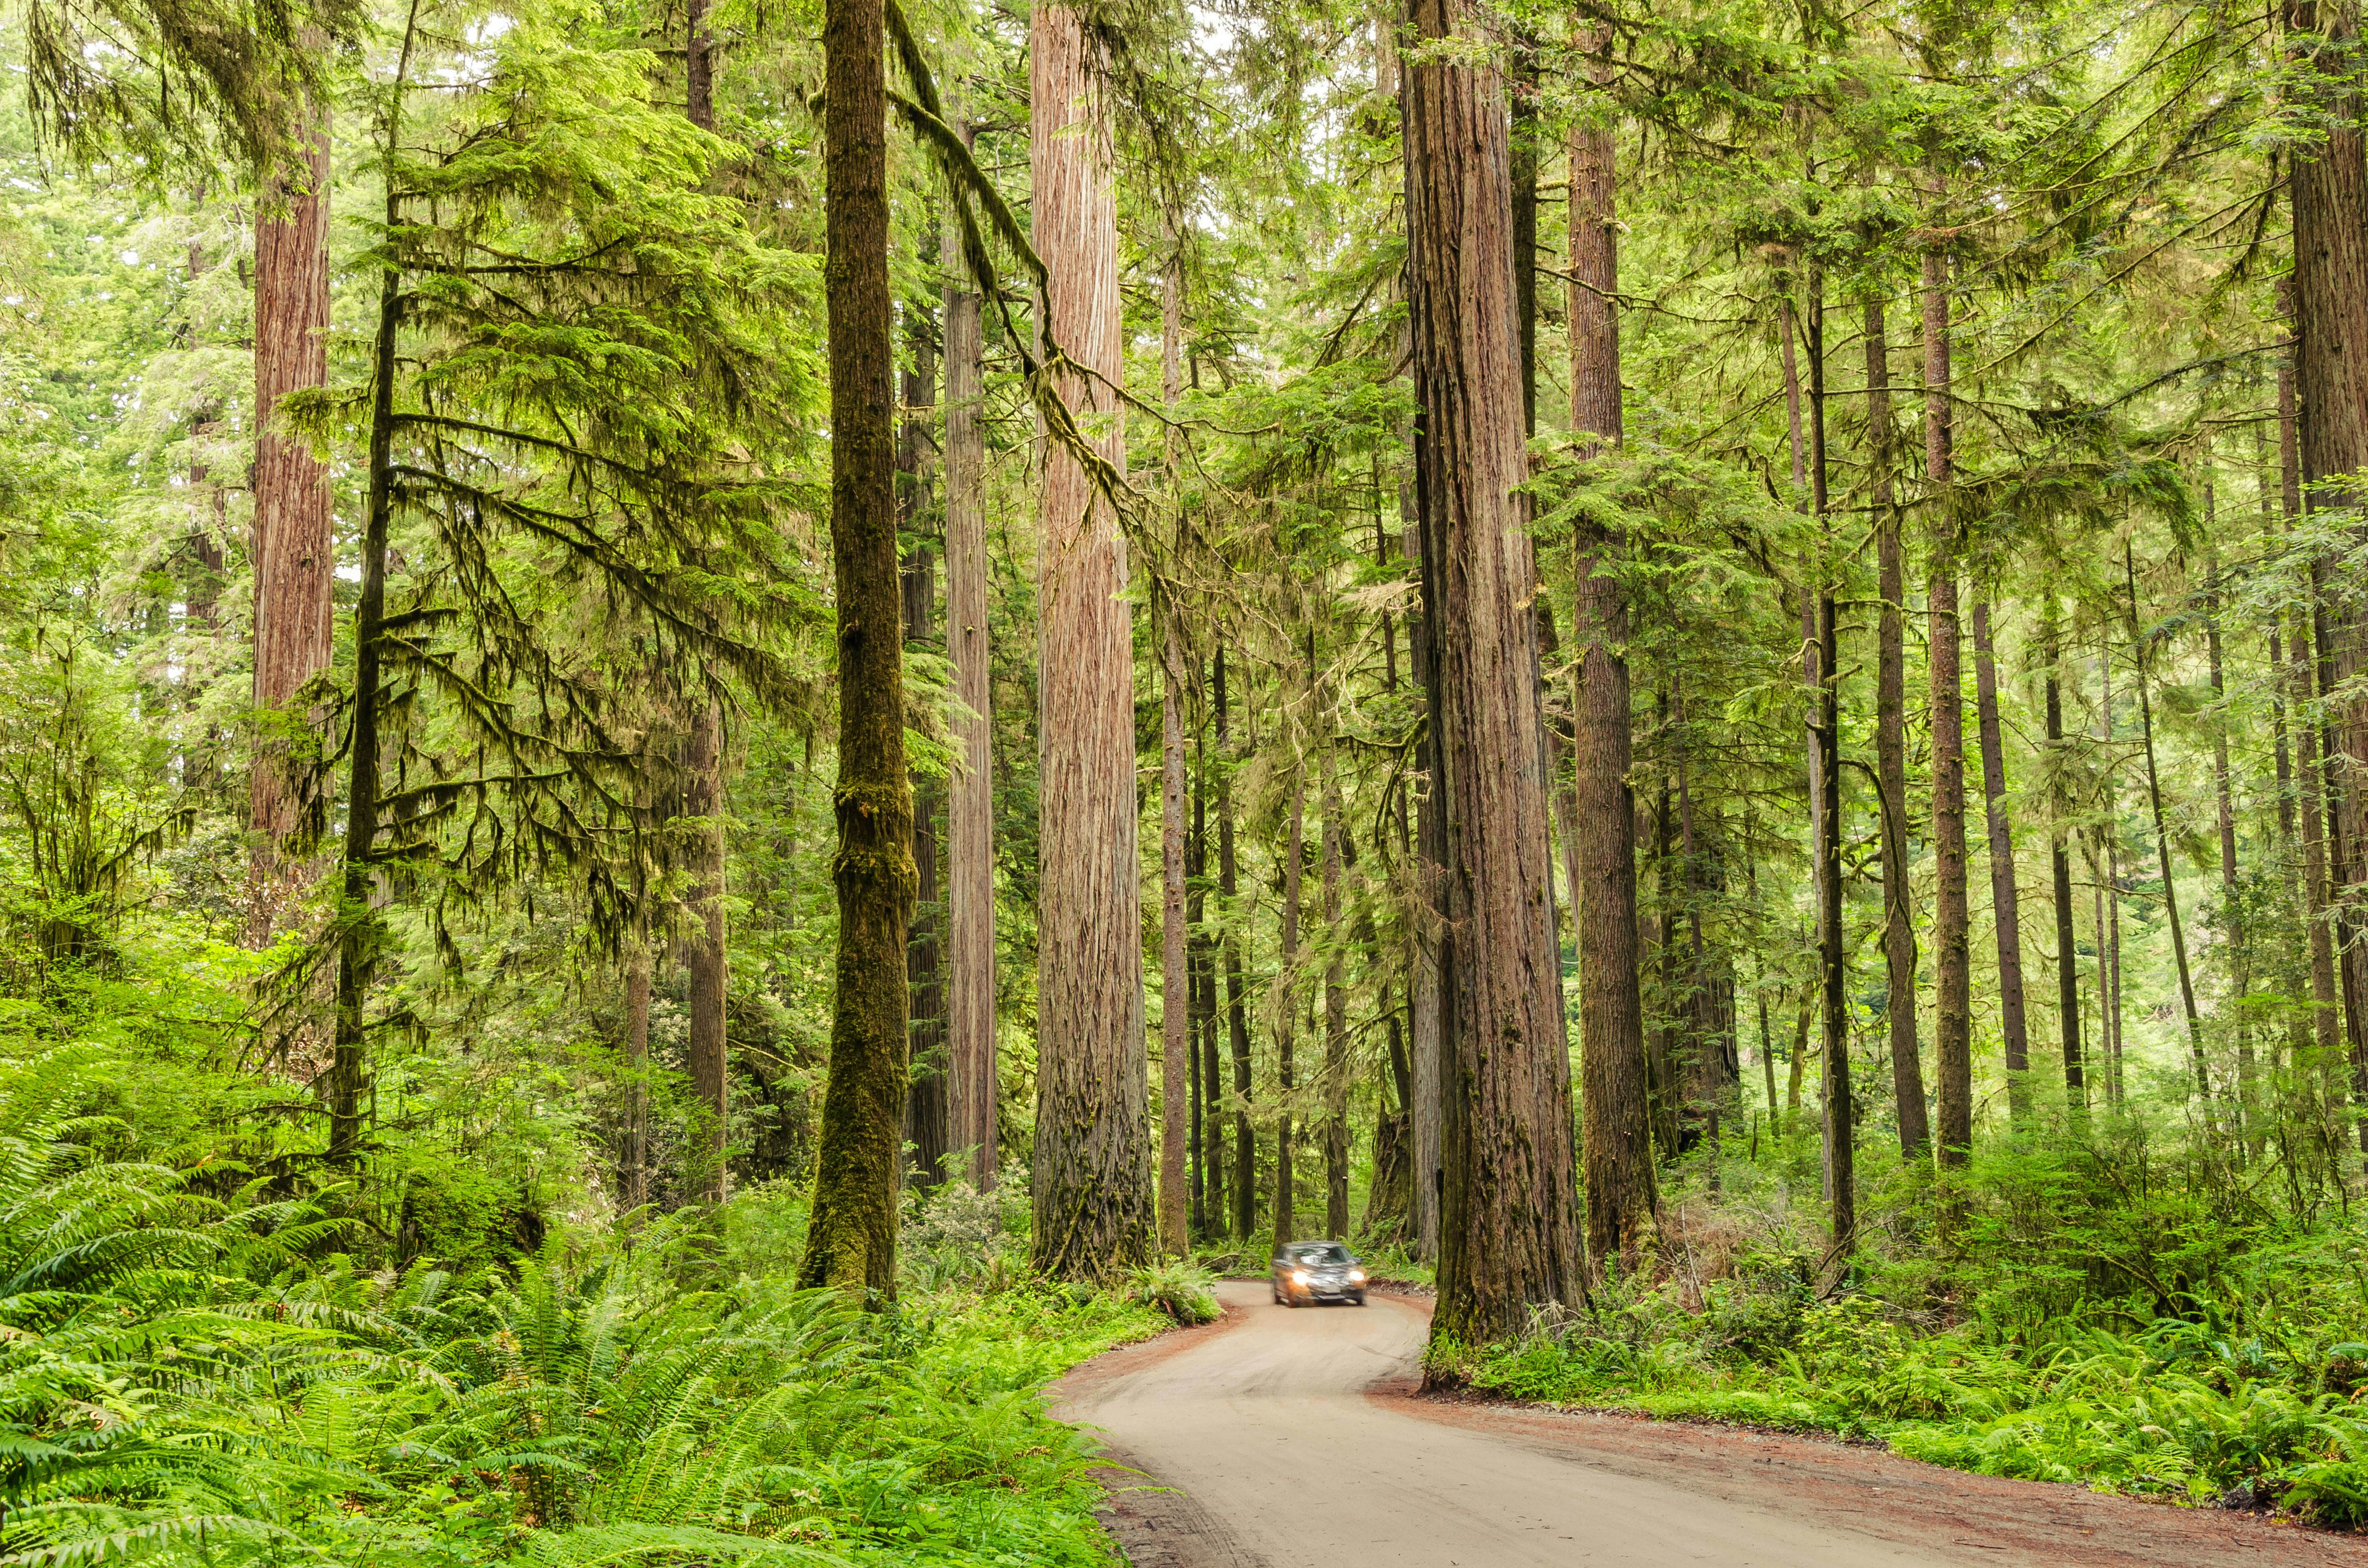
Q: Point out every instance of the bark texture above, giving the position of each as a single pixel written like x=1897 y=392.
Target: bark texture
x=295 y=559
x=969 y=795
x=1615 y=1109
x=1092 y=1187
x=851 y=1240
x=1891 y=754
x=1507 y=1238
x=1952 y=1040
x=2005 y=909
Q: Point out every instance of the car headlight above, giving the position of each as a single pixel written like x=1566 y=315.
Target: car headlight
x=1299 y=1276
x=1356 y=1276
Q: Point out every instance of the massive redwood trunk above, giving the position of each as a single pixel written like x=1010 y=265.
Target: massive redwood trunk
x=2329 y=194
x=1891 y=754
x=1507 y=1238
x=1952 y=1038
x=969 y=795
x=295 y=560
x=1092 y=1187
x=851 y=1240
x=1613 y=1102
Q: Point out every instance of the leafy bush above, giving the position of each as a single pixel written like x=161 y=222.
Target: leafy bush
x=1179 y=1288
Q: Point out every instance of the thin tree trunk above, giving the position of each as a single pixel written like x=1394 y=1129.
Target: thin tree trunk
x=1891 y=757
x=706 y=1046
x=2162 y=836
x=2109 y=923
x=2232 y=903
x=707 y=993
x=1175 y=982
x=1244 y=1164
x=634 y=1158
x=852 y=1238
x=1336 y=1018
x=1202 y=1079
x=2006 y=906
x=2059 y=807
x=970 y=796
x=1615 y=1104
x=294 y=556
x=1841 y=1118
x=1951 y=926
x=1092 y=1187
x=1285 y=1006
x=929 y=1118
x=361 y=933
x=1508 y=1237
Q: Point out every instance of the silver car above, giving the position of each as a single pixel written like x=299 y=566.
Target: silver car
x=1309 y=1272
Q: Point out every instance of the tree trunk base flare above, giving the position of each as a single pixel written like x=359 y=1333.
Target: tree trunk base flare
x=1508 y=1239
x=1091 y=1178
x=851 y=1239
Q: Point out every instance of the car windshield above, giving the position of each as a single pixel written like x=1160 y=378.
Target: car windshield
x=1324 y=1255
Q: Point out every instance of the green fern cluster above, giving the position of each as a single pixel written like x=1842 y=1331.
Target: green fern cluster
x=190 y=1378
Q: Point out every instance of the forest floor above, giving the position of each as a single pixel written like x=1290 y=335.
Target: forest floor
x=1279 y=1435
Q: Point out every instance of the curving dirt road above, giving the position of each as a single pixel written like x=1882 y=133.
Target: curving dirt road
x=1281 y=1437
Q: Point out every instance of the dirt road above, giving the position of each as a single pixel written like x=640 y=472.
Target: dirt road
x=1282 y=1437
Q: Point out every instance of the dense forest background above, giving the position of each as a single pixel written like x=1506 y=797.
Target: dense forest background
x=1827 y=892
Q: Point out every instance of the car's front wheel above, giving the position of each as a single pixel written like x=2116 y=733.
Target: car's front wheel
x=1360 y=1297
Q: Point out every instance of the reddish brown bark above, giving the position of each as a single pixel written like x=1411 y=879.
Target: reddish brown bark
x=1507 y=1236
x=1952 y=1040
x=1092 y=1187
x=970 y=796
x=295 y=559
x=1617 y=1146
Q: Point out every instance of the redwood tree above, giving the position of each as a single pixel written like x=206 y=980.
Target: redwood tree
x=1091 y=1186
x=1508 y=1239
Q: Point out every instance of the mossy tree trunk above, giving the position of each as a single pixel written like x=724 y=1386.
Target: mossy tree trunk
x=851 y=1242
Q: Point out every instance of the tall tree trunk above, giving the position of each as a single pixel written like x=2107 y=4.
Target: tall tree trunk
x=1336 y=1016
x=1285 y=1006
x=1092 y=1187
x=2232 y=905
x=706 y=1046
x=706 y=995
x=1952 y=1038
x=2327 y=1016
x=1840 y=1115
x=1891 y=756
x=2329 y=188
x=1507 y=1240
x=1614 y=1105
x=929 y=1108
x=851 y=1239
x=2162 y=835
x=2108 y=913
x=2059 y=808
x=1207 y=1152
x=1237 y=1019
x=969 y=795
x=633 y=1156
x=295 y=559
x=2006 y=906
x=1175 y=982
x=362 y=933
